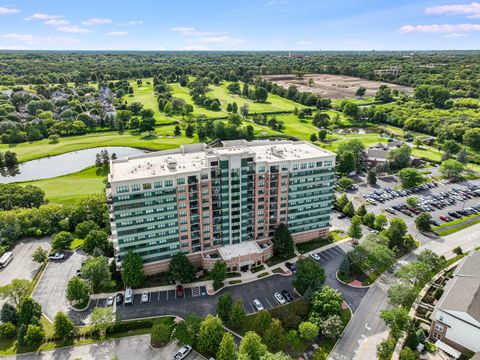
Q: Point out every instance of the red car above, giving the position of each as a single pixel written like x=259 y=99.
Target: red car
x=445 y=218
x=179 y=291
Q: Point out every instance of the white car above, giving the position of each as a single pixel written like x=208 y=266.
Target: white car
x=144 y=297
x=109 y=301
x=281 y=300
x=182 y=352
x=315 y=256
x=258 y=305
x=57 y=256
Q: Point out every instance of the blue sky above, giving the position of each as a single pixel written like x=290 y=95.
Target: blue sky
x=239 y=25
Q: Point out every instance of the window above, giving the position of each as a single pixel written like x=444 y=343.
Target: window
x=157 y=184
x=147 y=186
x=284 y=167
x=168 y=183
x=136 y=187
x=319 y=164
x=204 y=176
x=181 y=181
x=181 y=197
x=261 y=169
x=328 y=163
x=438 y=327
x=122 y=189
x=214 y=163
x=295 y=167
x=311 y=165
x=303 y=166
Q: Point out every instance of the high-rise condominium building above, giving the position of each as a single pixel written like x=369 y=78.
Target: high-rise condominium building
x=219 y=203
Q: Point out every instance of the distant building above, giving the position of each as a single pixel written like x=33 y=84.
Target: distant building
x=456 y=318
x=219 y=203
x=378 y=154
x=391 y=70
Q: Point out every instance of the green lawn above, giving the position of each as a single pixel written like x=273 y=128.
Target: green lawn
x=164 y=140
x=68 y=188
x=301 y=129
x=183 y=93
x=366 y=139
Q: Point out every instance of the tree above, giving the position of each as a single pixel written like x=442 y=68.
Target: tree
x=62 y=240
x=218 y=274
x=308 y=331
x=187 y=330
x=325 y=303
x=384 y=94
x=15 y=291
x=385 y=349
x=348 y=209
x=277 y=356
x=9 y=314
x=7 y=330
x=346 y=162
x=451 y=168
x=472 y=138
x=361 y=211
x=372 y=178
x=210 y=335
x=161 y=334
x=402 y=294
x=227 y=349
x=237 y=316
x=412 y=201
x=451 y=146
x=321 y=120
x=251 y=346
x=416 y=273
x=361 y=91
x=96 y=241
x=345 y=182
x=332 y=327
x=322 y=134
x=260 y=94
x=181 y=269
x=380 y=222
x=282 y=241
x=397 y=319
x=224 y=306
x=309 y=275
x=434 y=262
x=351 y=110
x=262 y=320
x=396 y=232
x=102 y=319
x=355 y=230
x=177 y=131
x=424 y=221
x=97 y=273
x=410 y=177
x=407 y=354
x=63 y=326
x=78 y=291
x=29 y=312
x=274 y=336
x=132 y=270
x=313 y=137
x=400 y=158
x=462 y=157
x=245 y=90
x=341 y=201
x=34 y=336
x=369 y=220
x=244 y=110
x=85 y=227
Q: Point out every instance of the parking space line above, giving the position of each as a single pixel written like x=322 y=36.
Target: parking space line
x=96 y=305
x=251 y=304
x=167 y=294
x=159 y=296
x=323 y=256
x=268 y=302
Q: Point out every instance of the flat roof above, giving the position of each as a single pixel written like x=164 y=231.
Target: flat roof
x=228 y=252
x=194 y=158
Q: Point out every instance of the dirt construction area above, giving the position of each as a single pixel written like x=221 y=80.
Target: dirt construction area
x=332 y=86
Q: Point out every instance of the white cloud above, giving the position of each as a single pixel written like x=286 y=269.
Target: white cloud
x=117 y=33
x=131 y=23
x=34 y=40
x=74 y=29
x=190 y=31
x=304 y=42
x=57 y=22
x=4 y=11
x=277 y=2
x=42 y=16
x=454 y=35
x=440 y=28
x=195 y=48
x=222 y=40
x=471 y=10
x=2 y=47
x=97 y=21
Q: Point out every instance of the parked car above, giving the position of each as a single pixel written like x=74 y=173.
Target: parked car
x=258 y=305
x=179 y=291
x=341 y=216
x=145 y=297
x=374 y=232
x=182 y=352
x=57 y=256
x=78 y=273
x=444 y=218
x=315 y=256
x=291 y=267
x=390 y=210
x=128 y=296
x=286 y=294
x=109 y=301
x=119 y=299
x=281 y=300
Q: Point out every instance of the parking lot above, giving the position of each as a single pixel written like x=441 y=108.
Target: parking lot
x=50 y=290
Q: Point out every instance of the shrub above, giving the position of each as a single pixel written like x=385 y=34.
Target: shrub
x=130 y=325
x=161 y=334
x=407 y=354
x=8 y=330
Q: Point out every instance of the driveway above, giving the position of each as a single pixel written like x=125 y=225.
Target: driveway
x=50 y=290
x=22 y=265
x=134 y=347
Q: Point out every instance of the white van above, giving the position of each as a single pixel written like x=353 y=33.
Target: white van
x=128 y=296
x=5 y=259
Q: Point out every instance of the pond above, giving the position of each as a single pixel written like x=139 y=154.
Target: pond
x=63 y=164
x=357 y=130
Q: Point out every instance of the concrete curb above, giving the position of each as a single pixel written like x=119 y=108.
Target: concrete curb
x=352 y=286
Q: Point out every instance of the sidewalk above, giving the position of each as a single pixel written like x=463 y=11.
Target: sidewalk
x=245 y=277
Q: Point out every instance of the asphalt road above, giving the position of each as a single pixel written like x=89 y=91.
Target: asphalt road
x=128 y=348
x=22 y=265
x=50 y=290
x=366 y=330
x=197 y=301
